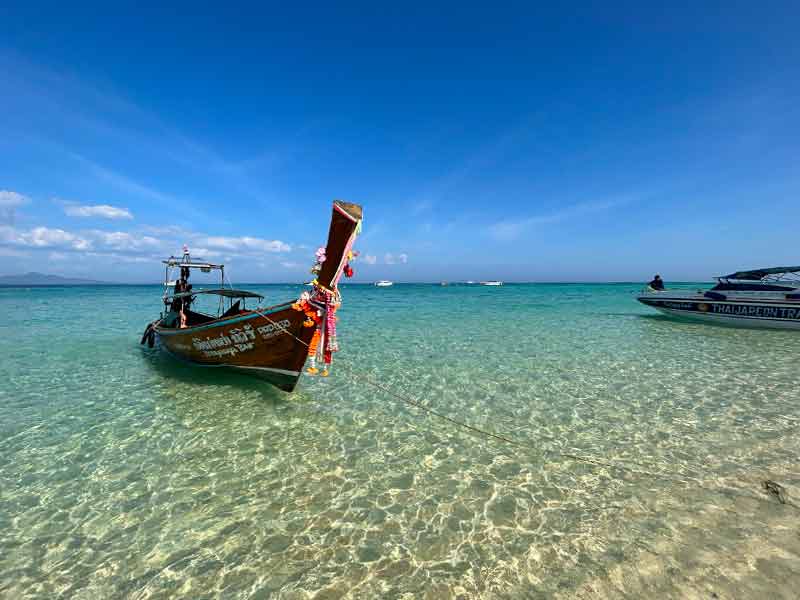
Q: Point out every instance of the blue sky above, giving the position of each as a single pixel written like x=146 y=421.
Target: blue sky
x=594 y=142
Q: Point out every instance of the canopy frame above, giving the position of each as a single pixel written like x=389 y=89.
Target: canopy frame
x=772 y=274
x=186 y=262
x=225 y=292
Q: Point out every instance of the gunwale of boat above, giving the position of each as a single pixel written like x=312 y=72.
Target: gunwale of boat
x=242 y=316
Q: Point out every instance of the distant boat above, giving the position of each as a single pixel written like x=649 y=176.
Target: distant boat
x=444 y=283
x=470 y=282
x=383 y=283
x=491 y=283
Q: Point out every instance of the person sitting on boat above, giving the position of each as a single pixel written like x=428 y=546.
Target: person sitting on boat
x=187 y=287
x=177 y=301
x=180 y=303
x=657 y=283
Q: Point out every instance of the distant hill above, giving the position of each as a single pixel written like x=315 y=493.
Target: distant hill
x=42 y=279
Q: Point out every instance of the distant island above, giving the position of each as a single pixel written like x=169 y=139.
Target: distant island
x=42 y=279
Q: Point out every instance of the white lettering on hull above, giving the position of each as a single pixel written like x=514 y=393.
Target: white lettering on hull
x=769 y=312
x=237 y=340
x=273 y=329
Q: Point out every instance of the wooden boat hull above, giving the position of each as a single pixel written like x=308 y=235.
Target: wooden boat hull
x=271 y=344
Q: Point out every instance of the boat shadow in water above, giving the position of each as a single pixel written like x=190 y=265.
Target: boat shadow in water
x=710 y=328
x=181 y=379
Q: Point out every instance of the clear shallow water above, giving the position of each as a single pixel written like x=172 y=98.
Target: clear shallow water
x=126 y=475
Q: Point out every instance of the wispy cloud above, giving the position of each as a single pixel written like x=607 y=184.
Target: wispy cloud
x=370 y=259
x=244 y=243
x=509 y=230
x=103 y=211
x=9 y=202
x=392 y=259
x=481 y=158
x=94 y=106
x=124 y=183
x=9 y=198
x=421 y=206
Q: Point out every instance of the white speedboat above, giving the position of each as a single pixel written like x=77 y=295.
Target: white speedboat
x=383 y=283
x=759 y=298
x=491 y=283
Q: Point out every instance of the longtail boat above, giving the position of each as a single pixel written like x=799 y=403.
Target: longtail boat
x=273 y=343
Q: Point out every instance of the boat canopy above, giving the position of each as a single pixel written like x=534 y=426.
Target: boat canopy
x=759 y=274
x=194 y=264
x=227 y=293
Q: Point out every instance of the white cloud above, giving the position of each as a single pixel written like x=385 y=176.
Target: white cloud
x=44 y=237
x=203 y=252
x=370 y=259
x=141 y=245
x=391 y=259
x=104 y=211
x=124 y=241
x=245 y=243
x=9 y=202
x=124 y=258
x=9 y=199
x=47 y=237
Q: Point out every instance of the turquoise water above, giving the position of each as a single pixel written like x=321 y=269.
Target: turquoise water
x=126 y=475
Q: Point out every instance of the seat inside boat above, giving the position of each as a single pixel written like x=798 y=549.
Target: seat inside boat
x=235 y=309
x=194 y=318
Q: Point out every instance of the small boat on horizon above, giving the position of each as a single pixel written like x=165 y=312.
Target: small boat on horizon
x=763 y=298
x=491 y=283
x=383 y=283
x=271 y=343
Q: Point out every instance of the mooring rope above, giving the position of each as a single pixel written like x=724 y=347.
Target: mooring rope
x=770 y=487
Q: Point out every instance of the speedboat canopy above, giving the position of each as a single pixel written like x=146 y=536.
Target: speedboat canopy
x=759 y=274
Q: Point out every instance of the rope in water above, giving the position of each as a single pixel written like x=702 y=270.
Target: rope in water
x=769 y=486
